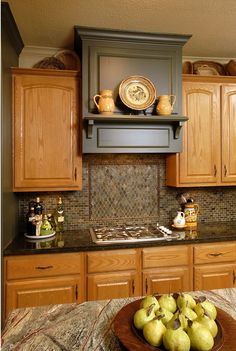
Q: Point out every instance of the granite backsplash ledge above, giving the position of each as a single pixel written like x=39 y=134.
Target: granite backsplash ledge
x=129 y=188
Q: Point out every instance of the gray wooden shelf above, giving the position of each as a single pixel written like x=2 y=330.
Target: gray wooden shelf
x=175 y=120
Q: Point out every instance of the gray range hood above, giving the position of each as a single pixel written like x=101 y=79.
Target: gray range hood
x=110 y=56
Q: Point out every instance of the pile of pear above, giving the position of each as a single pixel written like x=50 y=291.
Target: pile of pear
x=177 y=322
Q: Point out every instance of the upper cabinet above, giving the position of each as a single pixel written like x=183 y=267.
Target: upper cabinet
x=46 y=139
x=110 y=57
x=209 y=137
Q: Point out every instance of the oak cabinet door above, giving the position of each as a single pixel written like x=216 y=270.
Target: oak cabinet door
x=228 y=133
x=39 y=292
x=47 y=153
x=200 y=159
x=166 y=280
x=112 y=285
x=217 y=276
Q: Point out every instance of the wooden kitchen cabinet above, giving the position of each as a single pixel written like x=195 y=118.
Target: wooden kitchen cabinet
x=167 y=269
x=46 y=130
x=113 y=274
x=209 y=136
x=214 y=266
x=43 y=279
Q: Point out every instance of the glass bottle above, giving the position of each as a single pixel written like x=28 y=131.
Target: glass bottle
x=31 y=222
x=59 y=216
x=38 y=208
x=45 y=228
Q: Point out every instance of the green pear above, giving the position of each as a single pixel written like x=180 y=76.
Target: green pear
x=200 y=337
x=153 y=331
x=207 y=305
x=185 y=300
x=176 y=338
x=190 y=314
x=209 y=323
x=165 y=315
x=142 y=316
x=149 y=300
x=168 y=302
x=182 y=318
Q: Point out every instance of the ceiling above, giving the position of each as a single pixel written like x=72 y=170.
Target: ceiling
x=212 y=23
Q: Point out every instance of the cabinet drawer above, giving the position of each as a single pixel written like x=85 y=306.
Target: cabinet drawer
x=35 y=266
x=219 y=252
x=166 y=256
x=110 y=261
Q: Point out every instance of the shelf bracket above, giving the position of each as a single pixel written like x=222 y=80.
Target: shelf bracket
x=90 y=129
x=177 y=128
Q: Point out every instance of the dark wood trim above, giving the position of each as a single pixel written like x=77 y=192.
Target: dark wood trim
x=8 y=22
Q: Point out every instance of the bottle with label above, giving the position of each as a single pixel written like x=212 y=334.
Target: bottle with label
x=31 y=222
x=59 y=216
x=45 y=228
x=51 y=221
x=38 y=209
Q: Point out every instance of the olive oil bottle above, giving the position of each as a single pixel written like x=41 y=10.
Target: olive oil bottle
x=59 y=216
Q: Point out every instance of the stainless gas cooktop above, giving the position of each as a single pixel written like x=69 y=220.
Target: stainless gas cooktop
x=130 y=234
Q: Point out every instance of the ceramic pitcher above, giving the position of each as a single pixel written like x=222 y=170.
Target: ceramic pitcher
x=105 y=104
x=191 y=211
x=179 y=220
x=165 y=104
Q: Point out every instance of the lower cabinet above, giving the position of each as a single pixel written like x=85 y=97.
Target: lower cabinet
x=38 y=280
x=218 y=276
x=167 y=269
x=214 y=266
x=42 y=279
x=113 y=274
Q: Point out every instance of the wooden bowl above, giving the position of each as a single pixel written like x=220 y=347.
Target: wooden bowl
x=133 y=340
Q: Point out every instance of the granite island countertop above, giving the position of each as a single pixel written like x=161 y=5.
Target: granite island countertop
x=87 y=326
x=80 y=240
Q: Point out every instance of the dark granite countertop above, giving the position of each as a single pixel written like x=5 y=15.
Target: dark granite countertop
x=80 y=240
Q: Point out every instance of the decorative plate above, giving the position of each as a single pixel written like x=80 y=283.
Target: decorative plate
x=137 y=92
x=39 y=237
x=133 y=339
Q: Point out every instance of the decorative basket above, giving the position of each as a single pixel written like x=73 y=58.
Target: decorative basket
x=69 y=58
x=231 y=68
x=50 y=63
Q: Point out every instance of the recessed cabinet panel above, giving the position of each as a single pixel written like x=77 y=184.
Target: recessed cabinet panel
x=47 y=151
x=228 y=133
x=133 y=137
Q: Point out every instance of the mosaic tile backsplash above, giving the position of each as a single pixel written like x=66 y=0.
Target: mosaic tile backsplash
x=130 y=189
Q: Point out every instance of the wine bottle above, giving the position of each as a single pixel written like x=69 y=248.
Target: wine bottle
x=59 y=216
x=31 y=222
